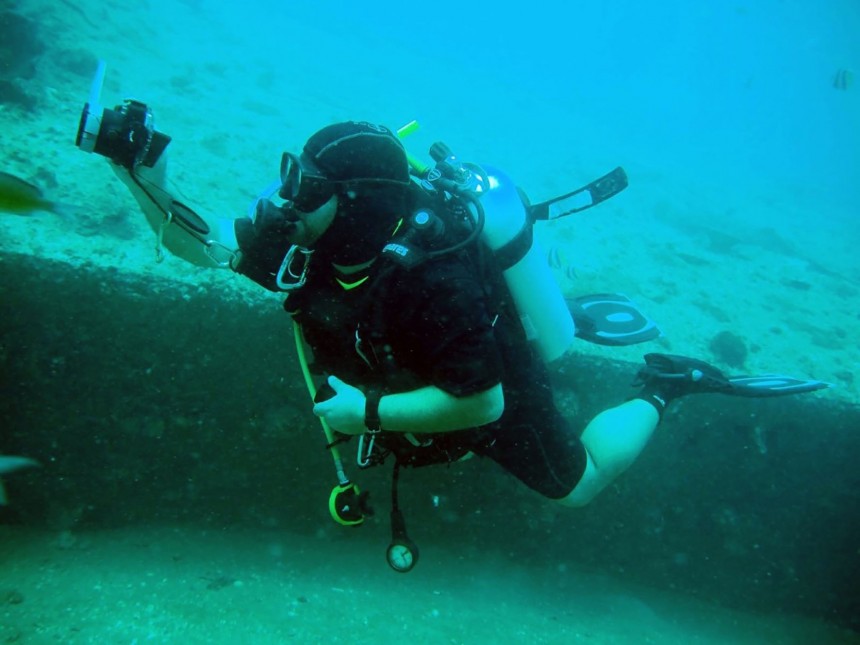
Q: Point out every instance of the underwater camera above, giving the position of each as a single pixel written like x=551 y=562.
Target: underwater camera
x=125 y=134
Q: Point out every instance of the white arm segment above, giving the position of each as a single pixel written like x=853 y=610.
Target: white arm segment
x=205 y=241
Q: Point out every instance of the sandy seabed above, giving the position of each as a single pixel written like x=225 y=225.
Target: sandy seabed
x=186 y=585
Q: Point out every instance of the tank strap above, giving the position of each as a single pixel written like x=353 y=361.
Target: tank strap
x=512 y=252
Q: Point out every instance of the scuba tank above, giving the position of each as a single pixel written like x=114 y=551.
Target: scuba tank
x=507 y=229
x=536 y=294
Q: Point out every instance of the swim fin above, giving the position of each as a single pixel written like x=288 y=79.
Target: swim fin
x=580 y=199
x=772 y=385
x=688 y=375
x=610 y=319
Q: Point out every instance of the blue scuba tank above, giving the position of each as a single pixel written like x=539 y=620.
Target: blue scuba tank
x=538 y=298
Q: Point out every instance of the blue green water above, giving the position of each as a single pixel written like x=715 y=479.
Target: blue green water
x=737 y=95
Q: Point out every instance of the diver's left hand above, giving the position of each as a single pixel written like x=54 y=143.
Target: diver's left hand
x=344 y=411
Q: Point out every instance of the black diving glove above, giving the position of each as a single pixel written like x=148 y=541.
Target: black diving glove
x=264 y=243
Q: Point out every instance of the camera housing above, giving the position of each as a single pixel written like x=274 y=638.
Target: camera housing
x=125 y=134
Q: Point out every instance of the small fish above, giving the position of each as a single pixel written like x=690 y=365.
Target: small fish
x=557 y=260
x=23 y=198
x=842 y=79
x=554 y=258
x=9 y=464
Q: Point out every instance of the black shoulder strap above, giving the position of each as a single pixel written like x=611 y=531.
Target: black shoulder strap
x=515 y=250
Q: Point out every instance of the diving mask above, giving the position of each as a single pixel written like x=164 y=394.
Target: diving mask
x=303 y=185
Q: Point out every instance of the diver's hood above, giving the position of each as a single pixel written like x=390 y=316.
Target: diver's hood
x=364 y=223
x=372 y=159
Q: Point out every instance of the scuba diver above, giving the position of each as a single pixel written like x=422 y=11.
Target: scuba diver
x=429 y=311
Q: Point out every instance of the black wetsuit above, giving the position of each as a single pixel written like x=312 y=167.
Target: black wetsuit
x=449 y=323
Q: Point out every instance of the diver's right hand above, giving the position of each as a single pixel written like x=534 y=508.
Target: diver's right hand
x=344 y=411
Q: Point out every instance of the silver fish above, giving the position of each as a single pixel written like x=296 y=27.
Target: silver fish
x=11 y=464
